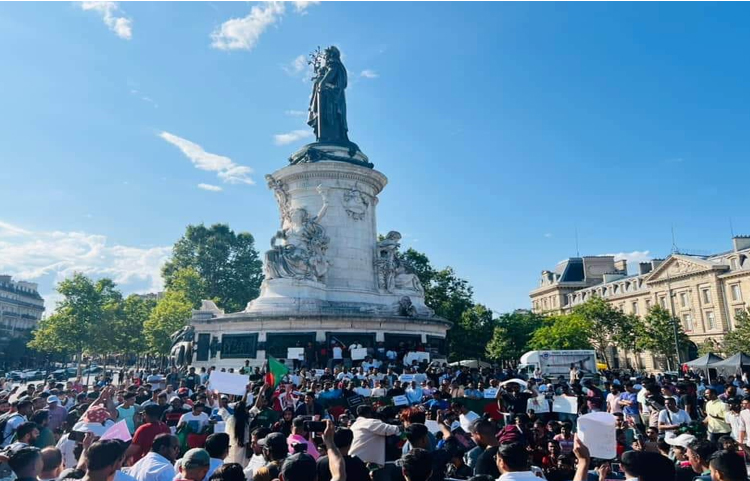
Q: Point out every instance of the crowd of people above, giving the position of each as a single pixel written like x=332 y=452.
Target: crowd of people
x=372 y=420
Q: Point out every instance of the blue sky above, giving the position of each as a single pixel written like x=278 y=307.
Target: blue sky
x=502 y=128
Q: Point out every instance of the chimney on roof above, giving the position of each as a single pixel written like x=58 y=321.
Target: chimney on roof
x=656 y=263
x=622 y=266
x=5 y=279
x=740 y=242
x=644 y=268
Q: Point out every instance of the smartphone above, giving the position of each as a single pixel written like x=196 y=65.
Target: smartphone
x=315 y=426
x=614 y=467
x=76 y=436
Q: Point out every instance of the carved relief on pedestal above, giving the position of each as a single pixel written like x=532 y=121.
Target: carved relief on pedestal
x=394 y=275
x=355 y=203
x=298 y=249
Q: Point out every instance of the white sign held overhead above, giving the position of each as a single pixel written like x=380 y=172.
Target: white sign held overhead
x=227 y=383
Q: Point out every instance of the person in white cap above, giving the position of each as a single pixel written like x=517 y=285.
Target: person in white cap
x=57 y=413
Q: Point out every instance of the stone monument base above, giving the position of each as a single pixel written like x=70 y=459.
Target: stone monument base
x=249 y=336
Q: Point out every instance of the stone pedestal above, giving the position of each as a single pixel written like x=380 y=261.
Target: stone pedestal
x=326 y=272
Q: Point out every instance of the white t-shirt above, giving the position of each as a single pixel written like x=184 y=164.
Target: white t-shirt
x=196 y=423
x=745 y=418
x=668 y=417
x=337 y=353
x=613 y=401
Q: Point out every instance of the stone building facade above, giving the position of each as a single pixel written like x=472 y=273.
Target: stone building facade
x=21 y=307
x=705 y=292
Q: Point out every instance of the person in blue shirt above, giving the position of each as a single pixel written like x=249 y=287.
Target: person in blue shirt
x=436 y=403
x=629 y=403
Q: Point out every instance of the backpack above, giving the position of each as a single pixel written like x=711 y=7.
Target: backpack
x=3 y=423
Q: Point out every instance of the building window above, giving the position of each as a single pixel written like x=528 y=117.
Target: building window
x=648 y=304
x=683 y=299
x=706 y=293
x=663 y=302
x=736 y=292
x=688 y=322
x=635 y=308
x=710 y=320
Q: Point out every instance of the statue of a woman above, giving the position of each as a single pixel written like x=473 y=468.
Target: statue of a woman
x=298 y=249
x=328 y=104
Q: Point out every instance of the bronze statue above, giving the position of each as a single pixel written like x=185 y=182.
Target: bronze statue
x=327 y=114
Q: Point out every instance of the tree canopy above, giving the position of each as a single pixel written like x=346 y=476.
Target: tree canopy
x=738 y=339
x=227 y=263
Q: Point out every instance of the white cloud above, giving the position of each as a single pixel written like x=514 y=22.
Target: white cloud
x=296 y=66
x=42 y=254
x=633 y=258
x=227 y=170
x=289 y=137
x=210 y=187
x=122 y=26
x=8 y=230
x=367 y=73
x=244 y=33
x=301 y=6
x=296 y=113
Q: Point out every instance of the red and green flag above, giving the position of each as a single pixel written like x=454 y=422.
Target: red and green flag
x=275 y=371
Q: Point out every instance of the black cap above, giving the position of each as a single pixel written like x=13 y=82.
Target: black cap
x=299 y=466
x=272 y=441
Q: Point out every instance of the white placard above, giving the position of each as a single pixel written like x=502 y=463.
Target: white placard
x=597 y=430
x=539 y=404
x=400 y=401
x=220 y=427
x=490 y=393
x=295 y=353
x=565 y=404
x=319 y=372
x=432 y=426
x=227 y=383
x=416 y=355
x=359 y=353
x=406 y=378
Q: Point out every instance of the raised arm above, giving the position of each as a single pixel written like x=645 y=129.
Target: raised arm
x=335 y=459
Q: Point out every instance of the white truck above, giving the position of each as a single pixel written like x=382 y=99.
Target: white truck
x=557 y=363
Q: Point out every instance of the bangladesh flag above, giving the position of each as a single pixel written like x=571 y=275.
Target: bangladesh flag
x=275 y=371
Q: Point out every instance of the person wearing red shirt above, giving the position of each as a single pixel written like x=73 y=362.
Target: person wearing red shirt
x=145 y=434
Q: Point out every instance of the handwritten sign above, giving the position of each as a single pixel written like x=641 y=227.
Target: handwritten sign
x=565 y=404
x=400 y=401
x=295 y=353
x=227 y=383
x=539 y=404
x=359 y=353
x=416 y=356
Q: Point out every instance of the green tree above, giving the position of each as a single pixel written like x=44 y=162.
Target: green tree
x=738 y=339
x=659 y=338
x=227 y=263
x=127 y=337
x=470 y=334
x=563 y=332
x=629 y=335
x=189 y=282
x=709 y=346
x=605 y=320
x=83 y=320
x=512 y=334
x=170 y=314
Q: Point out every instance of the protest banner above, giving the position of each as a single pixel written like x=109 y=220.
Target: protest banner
x=539 y=404
x=565 y=404
x=297 y=353
x=227 y=383
x=359 y=353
